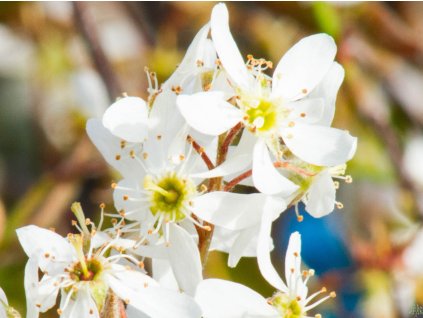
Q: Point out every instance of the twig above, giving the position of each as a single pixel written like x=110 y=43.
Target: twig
x=86 y=27
x=200 y=150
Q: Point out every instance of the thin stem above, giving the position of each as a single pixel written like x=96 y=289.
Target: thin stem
x=231 y=184
x=227 y=141
x=200 y=150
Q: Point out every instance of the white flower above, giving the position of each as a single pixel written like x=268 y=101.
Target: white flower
x=159 y=191
x=84 y=277
x=221 y=299
x=296 y=106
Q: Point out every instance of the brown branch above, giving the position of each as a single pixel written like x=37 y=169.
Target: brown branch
x=229 y=138
x=86 y=26
x=200 y=150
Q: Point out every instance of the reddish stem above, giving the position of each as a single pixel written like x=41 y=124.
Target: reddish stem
x=200 y=150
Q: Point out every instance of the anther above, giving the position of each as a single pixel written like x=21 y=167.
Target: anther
x=203 y=188
x=125 y=198
x=74 y=223
x=207 y=228
x=59 y=311
x=339 y=205
x=296 y=254
x=200 y=63
x=181 y=157
x=300 y=218
x=117 y=157
x=291 y=124
x=332 y=294
x=348 y=179
x=132 y=154
x=304 y=91
x=102 y=205
x=159 y=137
x=303 y=115
x=113 y=185
x=145 y=155
x=318 y=316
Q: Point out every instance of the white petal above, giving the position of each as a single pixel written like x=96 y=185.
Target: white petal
x=307 y=110
x=229 y=210
x=127 y=119
x=226 y=47
x=84 y=306
x=293 y=255
x=184 y=258
x=328 y=89
x=237 y=160
x=109 y=147
x=47 y=291
x=320 y=145
x=155 y=301
x=195 y=52
x=224 y=299
x=31 y=288
x=303 y=66
x=293 y=265
x=263 y=252
x=266 y=177
x=163 y=274
x=130 y=196
x=38 y=242
x=165 y=120
x=242 y=245
x=208 y=112
x=321 y=195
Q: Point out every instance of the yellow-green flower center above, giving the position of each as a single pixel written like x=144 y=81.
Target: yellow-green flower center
x=286 y=306
x=87 y=270
x=263 y=117
x=169 y=195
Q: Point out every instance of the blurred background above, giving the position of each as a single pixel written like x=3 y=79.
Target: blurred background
x=61 y=63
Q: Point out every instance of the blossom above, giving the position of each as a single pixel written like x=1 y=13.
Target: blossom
x=84 y=275
x=219 y=298
x=296 y=106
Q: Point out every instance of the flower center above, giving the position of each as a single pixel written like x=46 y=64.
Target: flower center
x=287 y=307
x=87 y=270
x=169 y=195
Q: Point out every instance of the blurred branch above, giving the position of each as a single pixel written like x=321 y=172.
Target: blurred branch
x=87 y=28
x=136 y=12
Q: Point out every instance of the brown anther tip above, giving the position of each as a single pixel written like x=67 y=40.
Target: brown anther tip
x=332 y=294
x=159 y=137
x=126 y=301
x=74 y=223
x=117 y=157
x=300 y=218
x=181 y=157
x=125 y=198
x=113 y=185
x=114 y=221
x=303 y=115
x=145 y=155
x=270 y=302
x=53 y=229
x=323 y=290
x=318 y=316
x=298 y=298
x=141 y=264
x=102 y=205
x=296 y=254
x=59 y=311
x=150 y=231
x=304 y=91
x=87 y=221
x=122 y=213
x=46 y=255
x=292 y=270
x=348 y=179
x=207 y=228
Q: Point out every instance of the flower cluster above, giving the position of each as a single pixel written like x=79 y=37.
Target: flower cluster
x=218 y=122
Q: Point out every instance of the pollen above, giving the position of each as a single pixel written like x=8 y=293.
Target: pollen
x=117 y=157
x=125 y=198
x=145 y=155
x=159 y=137
x=303 y=115
x=304 y=91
